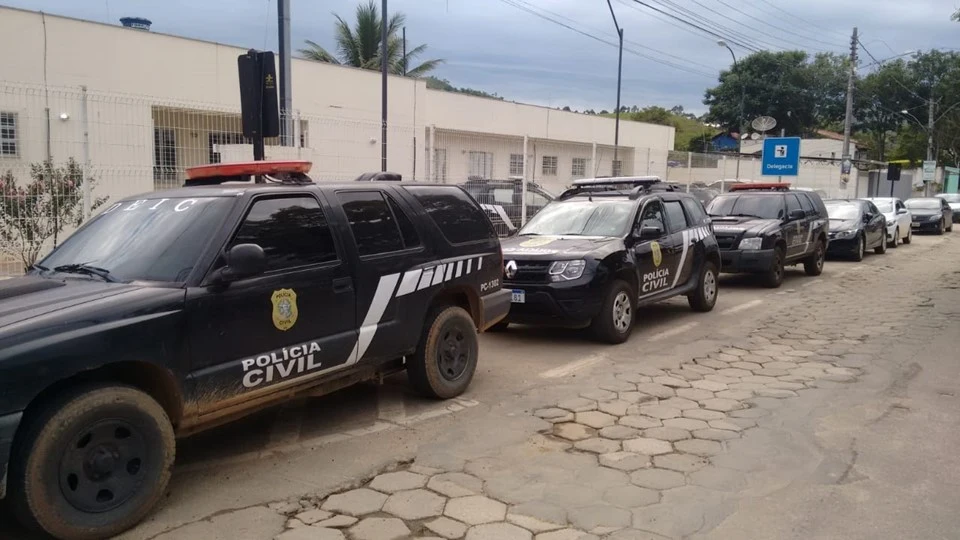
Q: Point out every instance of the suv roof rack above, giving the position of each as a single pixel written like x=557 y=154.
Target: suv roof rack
x=770 y=186
x=630 y=186
x=379 y=176
x=284 y=172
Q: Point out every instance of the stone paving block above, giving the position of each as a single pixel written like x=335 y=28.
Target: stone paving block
x=624 y=461
x=680 y=462
x=285 y=507
x=713 y=434
x=456 y=484
x=595 y=419
x=618 y=386
x=749 y=413
x=616 y=407
x=679 y=403
x=498 y=531
x=573 y=432
x=725 y=357
x=708 y=385
x=759 y=379
x=538 y=516
x=695 y=394
x=635 y=397
x=599 y=395
x=379 y=529
x=798 y=354
x=771 y=372
x=735 y=351
x=703 y=414
x=554 y=415
x=734 y=373
x=829 y=377
x=750 y=386
x=749 y=366
x=591 y=517
x=294 y=523
x=657 y=479
x=697 y=368
x=475 y=510
x=672 y=382
x=713 y=363
x=357 y=502
x=795 y=378
x=650 y=371
x=659 y=411
x=633 y=377
x=337 y=522
x=716 y=377
x=312 y=516
x=426 y=471
x=566 y=534
x=688 y=375
x=780 y=364
x=688 y=424
x=310 y=533
x=619 y=432
x=398 y=481
x=414 y=504
x=718 y=478
x=597 y=445
x=764 y=403
x=639 y=421
x=656 y=390
x=630 y=496
x=808 y=372
x=776 y=393
x=745 y=423
x=578 y=405
x=667 y=433
x=650 y=447
x=725 y=424
x=722 y=405
x=737 y=395
x=634 y=534
x=699 y=447
x=446 y=527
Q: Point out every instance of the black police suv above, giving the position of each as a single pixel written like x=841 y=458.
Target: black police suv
x=855 y=226
x=930 y=214
x=763 y=227
x=606 y=247
x=502 y=200
x=179 y=310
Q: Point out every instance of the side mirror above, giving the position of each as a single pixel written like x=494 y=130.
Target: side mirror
x=796 y=214
x=867 y=218
x=243 y=261
x=901 y=211
x=650 y=232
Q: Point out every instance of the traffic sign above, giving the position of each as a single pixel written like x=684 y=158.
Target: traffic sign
x=929 y=171
x=781 y=156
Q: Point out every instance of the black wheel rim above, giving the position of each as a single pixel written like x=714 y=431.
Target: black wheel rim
x=821 y=254
x=104 y=466
x=453 y=351
x=778 y=267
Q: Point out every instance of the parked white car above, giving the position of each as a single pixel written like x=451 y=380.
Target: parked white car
x=898 y=219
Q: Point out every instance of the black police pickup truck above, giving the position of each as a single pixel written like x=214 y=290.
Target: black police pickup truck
x=180 y=310
x=606 y=247
x=503 y=201
x=763 y=227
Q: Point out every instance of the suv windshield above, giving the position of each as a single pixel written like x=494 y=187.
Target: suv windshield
x=148 y=240
x=843 y=211
x=760 y=206
x=581 y=218
x=924 y=204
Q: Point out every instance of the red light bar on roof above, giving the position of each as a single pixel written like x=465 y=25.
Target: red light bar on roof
x=759 y=186
x=248 y=168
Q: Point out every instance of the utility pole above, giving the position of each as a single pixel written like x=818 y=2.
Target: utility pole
x=404 y=51
x=286 y=91
x=384 y=62
x=743 y=96
x=931 y=104
x=846 y=164
x=616 y=129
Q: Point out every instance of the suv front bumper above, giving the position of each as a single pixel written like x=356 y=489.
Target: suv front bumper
x=8 y=427
x=560 y=304
x=746 y=260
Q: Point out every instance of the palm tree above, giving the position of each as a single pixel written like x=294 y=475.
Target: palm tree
x=360 y=46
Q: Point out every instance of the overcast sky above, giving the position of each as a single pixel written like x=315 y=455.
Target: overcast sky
x=496 y=46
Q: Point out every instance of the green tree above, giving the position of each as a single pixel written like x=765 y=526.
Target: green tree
x=878 y=100
x=360 y=46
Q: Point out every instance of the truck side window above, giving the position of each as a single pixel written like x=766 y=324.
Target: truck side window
x=675 y=216
x=694 y=210
x=292 y=231
x=455 y=213
x=374 y=228
x=792 y=203
x=407 y=230
x=806 y=204
x=652 y=216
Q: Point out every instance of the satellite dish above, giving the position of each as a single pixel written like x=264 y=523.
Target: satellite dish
x=764 y=124
x=754 y=136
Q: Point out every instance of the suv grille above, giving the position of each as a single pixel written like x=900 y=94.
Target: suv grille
x=530 y=272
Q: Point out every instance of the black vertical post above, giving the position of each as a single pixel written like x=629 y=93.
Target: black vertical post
x=286 y=92
x=404 y=51
x=384 y=63
x=616 y=128
x=891 y=187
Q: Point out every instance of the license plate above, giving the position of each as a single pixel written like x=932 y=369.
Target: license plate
x=519 y=297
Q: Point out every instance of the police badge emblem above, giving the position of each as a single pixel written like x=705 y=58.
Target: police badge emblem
x=657 y=254
x=284 y=309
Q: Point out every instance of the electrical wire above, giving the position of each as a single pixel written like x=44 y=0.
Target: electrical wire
x=706 y=21
x=769 y=24
x=761 y=32
x=665 y=20
x=729 y=39
x=815 y=26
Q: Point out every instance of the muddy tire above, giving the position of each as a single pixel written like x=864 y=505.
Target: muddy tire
x=896 y=239
x=813 y=265
x=704 y=297
x=882 y=247
x=446 y=358
x=91 y=463
x=614 y=323
x=773 y=277
x=941 y=228
x=909 y=237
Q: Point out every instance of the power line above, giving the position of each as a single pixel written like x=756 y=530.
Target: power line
x=665 y=20
x=778 y=27
x=761 y=32
x=716 y=26
x=815 y=26
x=729 y=39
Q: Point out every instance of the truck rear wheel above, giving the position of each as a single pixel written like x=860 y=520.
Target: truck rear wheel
x=614 y=323
x=446 y=358
x=704 y=297
x=92 y=463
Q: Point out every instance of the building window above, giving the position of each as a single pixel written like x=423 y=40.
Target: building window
x=8 y=134
x=579 y=167
x=618 y=167
x=217 y=138
x=481 y=164
x=438 y=165
x=550 y=165
x=164 y=154
x=516 y=164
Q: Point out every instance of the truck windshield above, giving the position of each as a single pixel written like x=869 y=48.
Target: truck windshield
x=147 y=239
x=757 y=206
x=581 y=218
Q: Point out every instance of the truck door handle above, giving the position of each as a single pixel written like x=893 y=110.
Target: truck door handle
x=342 y=285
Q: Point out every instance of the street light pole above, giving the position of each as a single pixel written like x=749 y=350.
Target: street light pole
x=743 y=94
x=384 y=63
x=616 y=129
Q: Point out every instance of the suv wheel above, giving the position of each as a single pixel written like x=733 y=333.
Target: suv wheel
x=940 y=228
x=896 y=238
x=92 y=463
x=909 y=237
x=615 y=321
x=882 y=246
x=861 y=249
x=813 y=265
x=446 y=357
x=774 y=276
x=704 y=297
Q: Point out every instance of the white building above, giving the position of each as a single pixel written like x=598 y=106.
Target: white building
x=138 y=107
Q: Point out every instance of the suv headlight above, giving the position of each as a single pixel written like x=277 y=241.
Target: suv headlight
x=566 y=270
x=751 y=243
x=891 y=223
x=934 y=218
x=846 y=234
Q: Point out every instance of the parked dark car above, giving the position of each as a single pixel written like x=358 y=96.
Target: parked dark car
x=930 y=214
x=606 y=247
x=763 y=227
x=953 y=200
x=856 y=225
x=179 y=310
x=501 y=199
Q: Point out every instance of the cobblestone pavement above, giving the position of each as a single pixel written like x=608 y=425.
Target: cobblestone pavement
x=652 y=452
